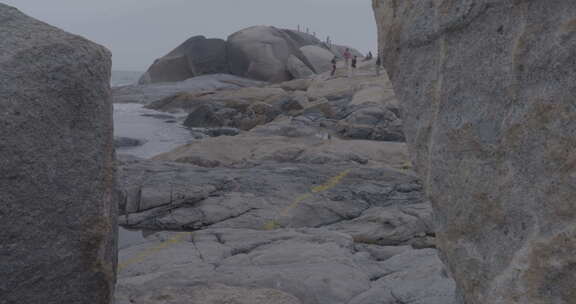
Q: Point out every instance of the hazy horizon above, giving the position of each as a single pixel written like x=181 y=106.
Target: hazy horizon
x=139 y=31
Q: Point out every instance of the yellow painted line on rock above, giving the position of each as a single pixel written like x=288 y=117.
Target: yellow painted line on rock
x=150 y=251
x=331 y=183
x=271 y=225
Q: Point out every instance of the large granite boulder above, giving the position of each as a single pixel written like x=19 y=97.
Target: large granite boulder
x=319 y=57
x=57 y=199
x=261 y=52
x=297 y=68
x=488 y=92
x=196 y=56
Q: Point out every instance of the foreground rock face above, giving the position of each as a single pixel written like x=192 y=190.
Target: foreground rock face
x=57 y=207
x=196 y=56
x=488 y=92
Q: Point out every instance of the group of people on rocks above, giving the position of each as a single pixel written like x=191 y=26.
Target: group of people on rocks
x=352 y=61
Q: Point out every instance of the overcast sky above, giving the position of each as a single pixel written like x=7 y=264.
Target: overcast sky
x=138 y=31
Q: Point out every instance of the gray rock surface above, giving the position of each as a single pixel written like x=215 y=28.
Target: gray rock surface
x=488 y=95
x=173 y=196
x=261 y=52
x=57 y=186
x=319 y=57
x=196 y=56
x=298 y=69
x=127 y=142
x=148 y=93
x=211 y=294
x=414 y=276
x=314 y=266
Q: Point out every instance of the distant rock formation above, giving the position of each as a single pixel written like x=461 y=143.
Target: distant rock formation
x=196 y=56
x=488 y=89
x=57 y=207
x=263 y=53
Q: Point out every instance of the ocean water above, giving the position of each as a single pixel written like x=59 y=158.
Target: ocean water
x=162 y=132
x=122 y=78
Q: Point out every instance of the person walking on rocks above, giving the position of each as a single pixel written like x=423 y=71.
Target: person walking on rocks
x=378 y=65
x=333 y=66
x=347 y=56
x=368 y=57
x=354 y=62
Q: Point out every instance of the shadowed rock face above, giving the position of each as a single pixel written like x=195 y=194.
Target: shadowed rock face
x=488 y=92
x=57 y=206
x=196 y=56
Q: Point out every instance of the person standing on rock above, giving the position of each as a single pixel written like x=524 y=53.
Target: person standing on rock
x=354 y=61
x=347 y=56
x=333 y=66
x=368 y=57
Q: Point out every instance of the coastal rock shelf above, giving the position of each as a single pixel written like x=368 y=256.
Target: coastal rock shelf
x=312 y=200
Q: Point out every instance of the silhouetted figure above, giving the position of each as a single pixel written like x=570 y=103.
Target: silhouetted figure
x=353 y=69
x=333 y=66
x=378 y=65
x=368 y=57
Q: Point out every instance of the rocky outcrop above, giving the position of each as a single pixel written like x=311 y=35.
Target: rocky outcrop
x=314 y=266
x=209 y=294
x=196 y=56
x=127 y=142
x=488 y=93
x=297 y=68
x=146 y=94
x=57 y=199
x=261 y=52
x=320 y=58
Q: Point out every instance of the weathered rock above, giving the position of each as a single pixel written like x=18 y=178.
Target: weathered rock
x=313 y=265
x=294 y=85
x=338 y=88
x=242 y=116
x=392 y=225
x=153 y=92
x=297 y=68
x=196 y=56
x=414 y=276
x=261 y=52
x=212 y=294
x=188 y=102
x=320 y=58
x=488 y=95
x=57 y=199
x=182 y=197
x=126 y=142
x=270 y=143
x=372 y=122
